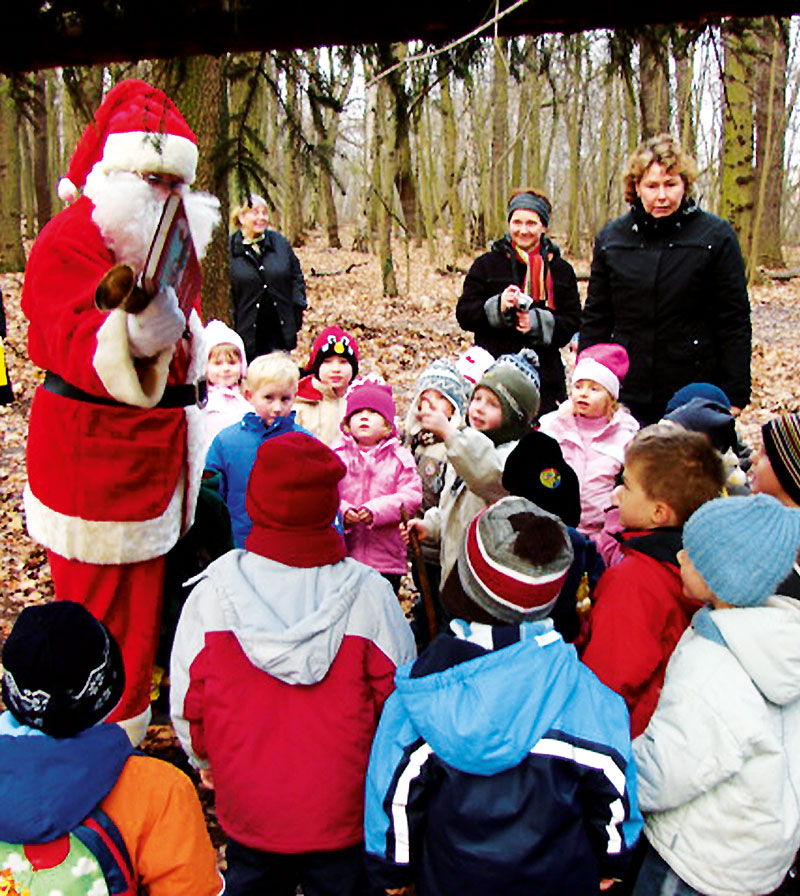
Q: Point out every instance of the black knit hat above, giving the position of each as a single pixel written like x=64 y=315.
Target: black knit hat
x=536 y=470
x=63 y=670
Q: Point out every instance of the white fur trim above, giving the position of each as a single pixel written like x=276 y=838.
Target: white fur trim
x=67 y=191
x=136 y=726
x=196 y=443
x=140 y=386
x=104 y=542
x=141 y=151
x=589 y=369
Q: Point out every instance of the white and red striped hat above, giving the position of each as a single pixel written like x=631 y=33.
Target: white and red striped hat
x=136 y=128
x=514 y=560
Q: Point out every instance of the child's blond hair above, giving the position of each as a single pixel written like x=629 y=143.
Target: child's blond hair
x=276 y=367
x=678 y=467
x=225 y=351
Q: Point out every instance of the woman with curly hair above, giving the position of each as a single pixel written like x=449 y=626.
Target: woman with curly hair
x=668 y=283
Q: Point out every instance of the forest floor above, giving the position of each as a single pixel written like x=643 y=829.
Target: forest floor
x=397 y=338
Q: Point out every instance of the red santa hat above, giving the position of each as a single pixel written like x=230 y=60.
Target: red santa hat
x=136 y=128
x=605 y=363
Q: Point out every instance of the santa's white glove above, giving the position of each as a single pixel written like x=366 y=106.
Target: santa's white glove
x=158 y=327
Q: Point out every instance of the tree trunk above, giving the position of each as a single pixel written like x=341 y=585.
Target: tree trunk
x=403 y=168
x=449 y=160
x=770 y=85
x=498 y=171
x=41 y=173
x=653 y=84
x=198 y=87
x=574 y=52
x=292 y=192
x=737 y=177
x=12 y=256
x=386 y=148
x=682 y=54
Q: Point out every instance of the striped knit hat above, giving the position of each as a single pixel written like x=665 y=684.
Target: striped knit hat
x=513 y=562
x=782 y=444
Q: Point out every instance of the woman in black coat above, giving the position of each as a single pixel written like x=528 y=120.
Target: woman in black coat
x=267 y=285
x=522 y=294
x=668 y=283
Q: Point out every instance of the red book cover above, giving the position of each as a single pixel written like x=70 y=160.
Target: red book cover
x=172 y=260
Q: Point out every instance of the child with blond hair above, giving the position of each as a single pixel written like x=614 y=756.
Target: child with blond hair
x=270 y=387
x=593 y=429
x=226 y=367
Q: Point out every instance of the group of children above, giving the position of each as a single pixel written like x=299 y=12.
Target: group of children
x=620 y=635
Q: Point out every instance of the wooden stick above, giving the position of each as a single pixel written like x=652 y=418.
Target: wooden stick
x=424 y=584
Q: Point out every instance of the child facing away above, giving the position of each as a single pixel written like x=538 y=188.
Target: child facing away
x=441 y=386
x=270 y=388
x=640 y=608
x=501 y=765
x=776 y=471
x=226 y=367
x=62 y=764
x=719 y=764
x=593 y=429
x=332 y=365
x=501 y=410
x=381 y=479
x=283 y=658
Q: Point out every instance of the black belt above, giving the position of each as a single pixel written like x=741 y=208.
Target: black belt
x=173 y=397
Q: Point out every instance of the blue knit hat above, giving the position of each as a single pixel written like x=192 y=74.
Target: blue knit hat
x=743 y=546
x=698 y=390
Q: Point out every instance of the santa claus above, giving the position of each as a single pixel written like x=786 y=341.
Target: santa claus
x=115 y=437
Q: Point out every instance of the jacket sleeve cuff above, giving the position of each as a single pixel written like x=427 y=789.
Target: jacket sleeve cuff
x=543 y=325
x=491 y=308
x=386 y=875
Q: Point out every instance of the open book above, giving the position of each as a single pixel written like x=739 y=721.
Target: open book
x=172 y=260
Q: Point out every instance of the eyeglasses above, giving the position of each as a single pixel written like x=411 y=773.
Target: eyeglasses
x=167 y=181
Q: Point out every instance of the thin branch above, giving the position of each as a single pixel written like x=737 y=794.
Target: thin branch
x=420 y=57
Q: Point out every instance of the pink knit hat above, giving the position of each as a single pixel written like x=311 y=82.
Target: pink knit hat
x=136 y=128
x=605 y=363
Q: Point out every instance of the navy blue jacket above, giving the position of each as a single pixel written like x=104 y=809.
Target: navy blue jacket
x=268 y=293
x=232 y=455
x=501 y=767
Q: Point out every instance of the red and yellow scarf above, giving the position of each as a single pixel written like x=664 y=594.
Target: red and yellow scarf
x=538 y=282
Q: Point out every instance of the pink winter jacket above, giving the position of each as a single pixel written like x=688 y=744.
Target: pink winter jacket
x=597 y=462
x=380 y=478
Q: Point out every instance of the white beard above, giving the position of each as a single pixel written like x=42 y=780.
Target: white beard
x=127 y=211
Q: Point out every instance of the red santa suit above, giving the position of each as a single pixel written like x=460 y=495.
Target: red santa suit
x=114 y=444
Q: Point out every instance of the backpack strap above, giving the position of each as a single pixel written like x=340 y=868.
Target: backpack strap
x=99 y=834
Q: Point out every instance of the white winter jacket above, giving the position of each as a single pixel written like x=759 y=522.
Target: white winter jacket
x=719 y=763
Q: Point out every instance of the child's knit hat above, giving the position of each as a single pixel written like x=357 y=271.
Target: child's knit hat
x=443 y=376
x=709 y=417
x=333 y=342
x=536 y=470
x=698 y=390
x=512 y=564
x=514 y=379
x=743 y=546
x=473 y=363
x=605 y=363
x=782 y=444
x=63 y=669
x=217 y=333
x=373 y=396
x=292 y=499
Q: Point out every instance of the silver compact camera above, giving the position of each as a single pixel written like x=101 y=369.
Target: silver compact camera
x=524 y=303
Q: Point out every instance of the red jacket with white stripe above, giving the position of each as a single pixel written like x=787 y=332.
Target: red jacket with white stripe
x=278 y=679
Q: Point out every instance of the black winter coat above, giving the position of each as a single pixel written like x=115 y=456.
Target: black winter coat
x=673 y=292
x=268 y=293
x=487 y=278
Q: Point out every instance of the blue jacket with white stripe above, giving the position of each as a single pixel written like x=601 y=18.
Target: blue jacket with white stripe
x=501 y=766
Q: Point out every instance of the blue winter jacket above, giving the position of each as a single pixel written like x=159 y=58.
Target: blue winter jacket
x=501 y=767
x=232 y=455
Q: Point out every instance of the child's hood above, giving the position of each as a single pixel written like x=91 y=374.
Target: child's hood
x=289 y=621
x=50 y=785
x=483 y=715
x=766 y=642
